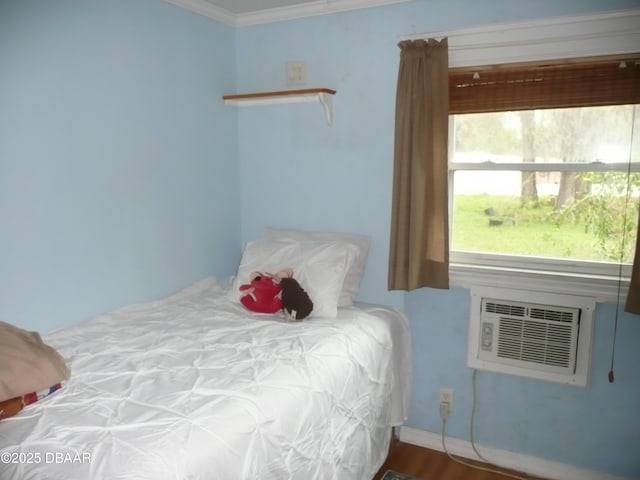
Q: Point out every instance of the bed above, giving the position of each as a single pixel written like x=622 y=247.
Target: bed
x=193 y=386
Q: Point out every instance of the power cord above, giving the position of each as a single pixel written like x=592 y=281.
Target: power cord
x=477 y=467
x=472 y=422
x=611 y=376
x=444 y=415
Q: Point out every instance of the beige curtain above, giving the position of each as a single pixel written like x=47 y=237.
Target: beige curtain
x=633 y=297
x=419 y=250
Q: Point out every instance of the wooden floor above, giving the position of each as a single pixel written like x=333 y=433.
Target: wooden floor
x=434 y=465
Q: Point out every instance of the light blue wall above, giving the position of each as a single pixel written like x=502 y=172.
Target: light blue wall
x=297 y=171
x=118 y=162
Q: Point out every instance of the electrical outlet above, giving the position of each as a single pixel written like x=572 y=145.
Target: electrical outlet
x=446 y=396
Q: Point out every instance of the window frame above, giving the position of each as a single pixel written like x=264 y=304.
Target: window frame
x=607 y=281
x=572 y=36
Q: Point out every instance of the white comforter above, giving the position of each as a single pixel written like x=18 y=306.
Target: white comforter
x=193 y=387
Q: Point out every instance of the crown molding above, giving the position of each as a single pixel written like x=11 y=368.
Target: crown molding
x=279 y=14
x=311 y=9
x=207 y=9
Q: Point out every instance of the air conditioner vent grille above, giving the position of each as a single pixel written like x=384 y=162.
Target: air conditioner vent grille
x=504 y=309
x=535 y=342
x=551 y=315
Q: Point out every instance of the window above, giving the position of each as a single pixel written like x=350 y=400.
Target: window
x=545 y=167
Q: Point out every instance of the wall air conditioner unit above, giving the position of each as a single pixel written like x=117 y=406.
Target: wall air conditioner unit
x=531 y=334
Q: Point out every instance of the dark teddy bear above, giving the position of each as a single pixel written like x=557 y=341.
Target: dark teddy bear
x=296 y=303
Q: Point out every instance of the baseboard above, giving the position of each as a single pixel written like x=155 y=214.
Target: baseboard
x=504 y=458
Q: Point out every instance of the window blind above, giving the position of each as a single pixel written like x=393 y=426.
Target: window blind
x=594 y=81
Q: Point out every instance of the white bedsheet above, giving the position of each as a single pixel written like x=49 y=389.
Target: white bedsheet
x=194 y=387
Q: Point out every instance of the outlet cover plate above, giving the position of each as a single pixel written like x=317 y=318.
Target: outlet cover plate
x=446 y=395
x=296 y=73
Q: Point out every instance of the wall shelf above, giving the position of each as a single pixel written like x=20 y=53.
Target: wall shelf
x=322 y=95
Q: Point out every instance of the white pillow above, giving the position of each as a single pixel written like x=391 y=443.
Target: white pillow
x=319 y=267
x=354 y=273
